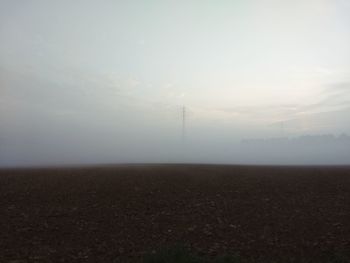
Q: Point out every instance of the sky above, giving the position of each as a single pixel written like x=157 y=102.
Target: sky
x=105 y=81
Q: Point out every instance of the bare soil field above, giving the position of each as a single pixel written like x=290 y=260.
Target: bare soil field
x=121 y=213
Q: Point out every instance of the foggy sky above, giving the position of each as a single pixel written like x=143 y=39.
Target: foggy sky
x=105 y=81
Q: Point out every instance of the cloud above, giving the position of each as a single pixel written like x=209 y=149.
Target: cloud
x=267 y=113
x=330 y=113
x=335 y=98
x=337 y=88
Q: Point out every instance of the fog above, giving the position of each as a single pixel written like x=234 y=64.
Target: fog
x=235 y=82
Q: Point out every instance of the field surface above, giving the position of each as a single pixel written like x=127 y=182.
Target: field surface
x=121 y=213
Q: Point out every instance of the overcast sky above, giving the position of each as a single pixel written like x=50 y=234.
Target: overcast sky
x=110 y=77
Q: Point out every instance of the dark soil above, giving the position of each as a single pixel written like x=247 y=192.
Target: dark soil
x=118 y=214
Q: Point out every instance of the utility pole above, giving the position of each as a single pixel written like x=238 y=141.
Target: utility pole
x=183 y=123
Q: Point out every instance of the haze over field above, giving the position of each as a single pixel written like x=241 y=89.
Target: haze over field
x=105 y=81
